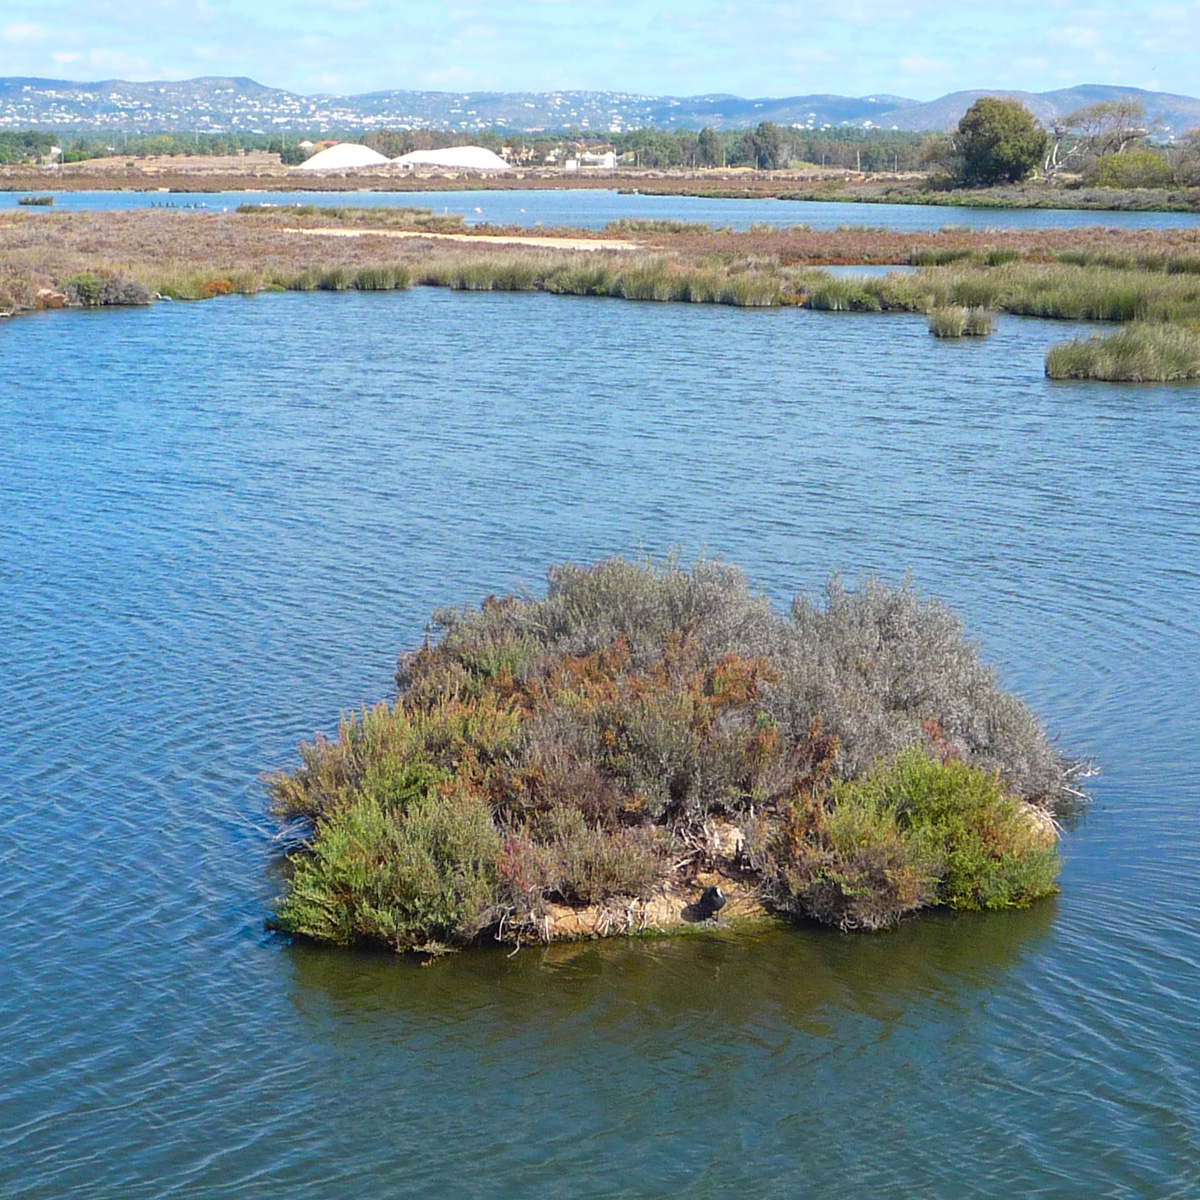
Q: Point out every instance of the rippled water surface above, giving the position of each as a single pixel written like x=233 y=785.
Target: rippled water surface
x=593 y=208
x=220 y=522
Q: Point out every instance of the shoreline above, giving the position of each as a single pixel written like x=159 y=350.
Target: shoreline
x=1140 y=280
x=799 y=186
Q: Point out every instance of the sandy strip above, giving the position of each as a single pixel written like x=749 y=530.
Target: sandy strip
x=548 y=243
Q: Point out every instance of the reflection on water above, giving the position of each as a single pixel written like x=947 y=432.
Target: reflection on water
x=219 y=523
x=709 y=984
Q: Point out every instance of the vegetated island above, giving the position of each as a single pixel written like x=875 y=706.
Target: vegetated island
x=648 y=740
x=1147 y=280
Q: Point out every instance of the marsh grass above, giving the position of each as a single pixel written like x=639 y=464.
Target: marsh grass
x=631 y=225
x=955 y=321
x=1130 y=276
x=654 y=279
x=1139 y=353
x=1051 y=290
x=580 y=277
x=386 y=278
x=979 y=323
x=948 y=322
x=830 y=294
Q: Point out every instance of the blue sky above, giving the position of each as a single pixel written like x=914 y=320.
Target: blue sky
x=917 y=48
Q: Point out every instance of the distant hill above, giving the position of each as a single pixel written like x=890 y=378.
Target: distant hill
x=1175 y=113
x=219 y=104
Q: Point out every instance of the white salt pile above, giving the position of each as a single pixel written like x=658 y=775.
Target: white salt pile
x=460 y=158
x=345 y=156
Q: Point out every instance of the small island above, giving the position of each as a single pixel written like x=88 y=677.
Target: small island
x=653 y=748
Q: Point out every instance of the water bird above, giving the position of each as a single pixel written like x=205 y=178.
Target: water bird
x=711 y=901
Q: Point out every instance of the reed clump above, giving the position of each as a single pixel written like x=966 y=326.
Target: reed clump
x=1052 y=290
x=955 y=321
x=631 y=225
x=949 y=321
x=830 y=294
x=1139 y=353
x=572 y=751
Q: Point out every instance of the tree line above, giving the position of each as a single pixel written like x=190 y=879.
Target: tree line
x=1111 y=144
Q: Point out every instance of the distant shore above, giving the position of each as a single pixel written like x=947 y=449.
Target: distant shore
x=264 y=173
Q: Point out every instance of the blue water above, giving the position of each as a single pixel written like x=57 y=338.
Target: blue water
x=594 y=208
x=220 y=522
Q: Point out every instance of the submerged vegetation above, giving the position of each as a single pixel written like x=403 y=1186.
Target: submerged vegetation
x=648 y=730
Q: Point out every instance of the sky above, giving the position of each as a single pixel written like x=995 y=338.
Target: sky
x=920 y=49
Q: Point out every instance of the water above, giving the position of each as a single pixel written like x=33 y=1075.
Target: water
x=588 y=208
x=218 y=524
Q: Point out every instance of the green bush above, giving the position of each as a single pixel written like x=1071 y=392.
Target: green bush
x=998 y=141
x=85 y=289
x=417 y=877
x=1136 y=168
x=917 y=832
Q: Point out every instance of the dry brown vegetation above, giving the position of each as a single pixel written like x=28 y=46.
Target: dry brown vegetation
x=174 y=252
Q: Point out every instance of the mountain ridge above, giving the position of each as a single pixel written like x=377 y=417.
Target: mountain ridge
x=238 y=103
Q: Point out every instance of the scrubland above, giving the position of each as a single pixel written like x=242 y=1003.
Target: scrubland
x=648 y=729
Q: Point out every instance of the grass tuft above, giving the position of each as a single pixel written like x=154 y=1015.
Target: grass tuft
x=1139 y=353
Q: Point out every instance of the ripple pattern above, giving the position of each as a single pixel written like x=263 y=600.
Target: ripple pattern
x=218 y=525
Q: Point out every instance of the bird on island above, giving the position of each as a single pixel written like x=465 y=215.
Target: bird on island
x=711 y=901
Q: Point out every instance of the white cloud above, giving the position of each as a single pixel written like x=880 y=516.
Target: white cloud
x=1078 y=37
x=918 y=64
x=25 y=31
x=106 y=59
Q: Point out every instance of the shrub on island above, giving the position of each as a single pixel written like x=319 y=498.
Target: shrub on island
x=572 y=750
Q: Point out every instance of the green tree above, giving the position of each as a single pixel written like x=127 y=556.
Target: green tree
x=710 y=147
x=999 y=141
x=764 y=145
